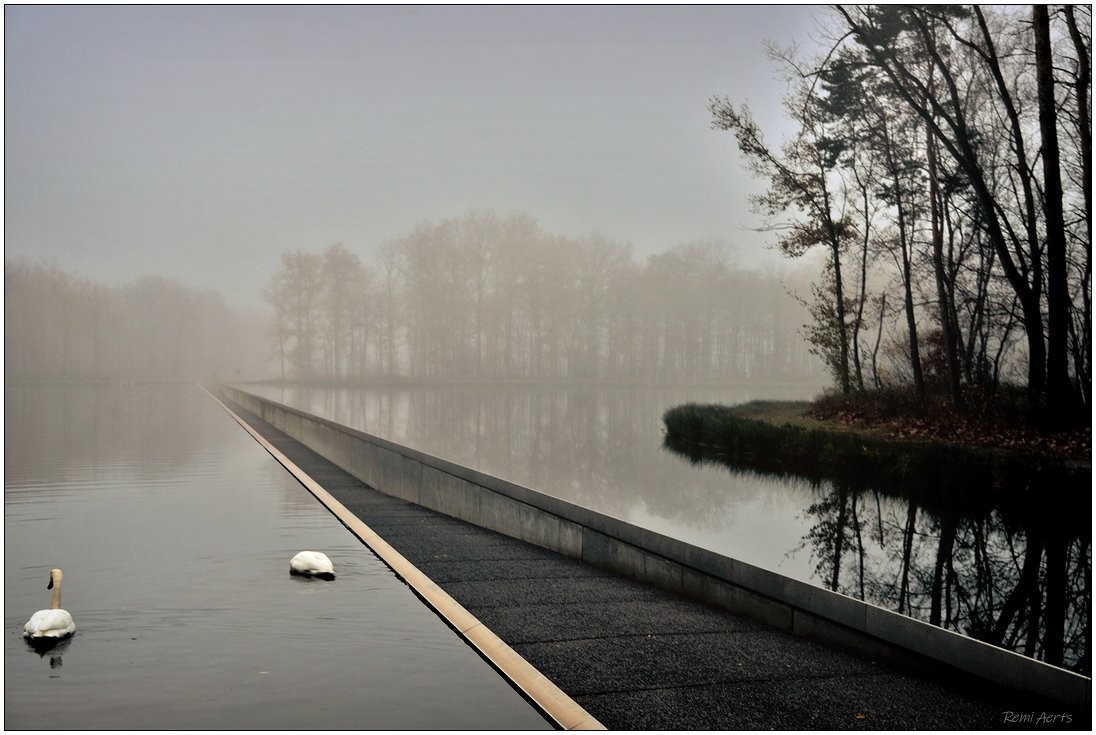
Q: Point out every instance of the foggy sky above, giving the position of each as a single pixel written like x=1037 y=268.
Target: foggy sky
x=200 y=143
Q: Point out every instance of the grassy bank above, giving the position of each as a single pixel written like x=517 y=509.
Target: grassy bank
x=789 y=439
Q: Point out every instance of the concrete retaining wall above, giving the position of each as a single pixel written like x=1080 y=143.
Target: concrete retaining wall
x=659 y=560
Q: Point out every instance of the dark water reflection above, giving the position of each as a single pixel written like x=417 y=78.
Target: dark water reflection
x=1007 y=562
x=979 y=570
x=175 y=529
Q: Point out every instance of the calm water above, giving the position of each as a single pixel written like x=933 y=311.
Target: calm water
x=984 y=573
x=598 y=447
x=174 y=530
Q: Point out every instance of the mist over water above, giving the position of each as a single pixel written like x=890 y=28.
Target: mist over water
x=485 y=297
x=598 y=447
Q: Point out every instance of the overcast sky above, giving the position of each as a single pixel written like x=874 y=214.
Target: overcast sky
x=201 y=142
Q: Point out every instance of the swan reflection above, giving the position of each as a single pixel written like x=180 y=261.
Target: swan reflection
x=54 y=647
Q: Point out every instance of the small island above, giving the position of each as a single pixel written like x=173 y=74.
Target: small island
x=894 y=441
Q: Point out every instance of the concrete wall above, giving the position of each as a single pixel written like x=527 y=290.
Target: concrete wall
x=661 y=561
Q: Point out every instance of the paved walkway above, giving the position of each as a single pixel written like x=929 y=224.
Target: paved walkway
x=637 y=658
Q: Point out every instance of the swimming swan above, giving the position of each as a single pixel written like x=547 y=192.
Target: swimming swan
x=312 y=564
x=53 y=624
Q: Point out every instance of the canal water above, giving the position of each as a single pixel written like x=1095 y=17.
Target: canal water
x=174 y=530
x=977 y=568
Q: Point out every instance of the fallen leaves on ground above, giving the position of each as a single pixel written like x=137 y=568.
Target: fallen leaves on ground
x=976 y=428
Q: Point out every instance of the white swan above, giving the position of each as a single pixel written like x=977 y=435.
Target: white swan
x=52 y=624
x=312 y=564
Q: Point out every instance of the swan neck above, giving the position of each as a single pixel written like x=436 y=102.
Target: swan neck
x=55 y=578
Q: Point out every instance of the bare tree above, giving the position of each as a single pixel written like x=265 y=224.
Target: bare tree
x=799 y=184
x=1059 y=390
x=294 y=294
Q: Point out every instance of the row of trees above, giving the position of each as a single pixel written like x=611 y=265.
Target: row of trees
x=59 y=326
x=492 y=296
x=943 y=162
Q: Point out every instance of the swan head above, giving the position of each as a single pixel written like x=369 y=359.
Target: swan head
x=54 y=578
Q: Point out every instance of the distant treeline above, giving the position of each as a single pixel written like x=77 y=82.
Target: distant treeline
x=490 y=296
x=59 y=326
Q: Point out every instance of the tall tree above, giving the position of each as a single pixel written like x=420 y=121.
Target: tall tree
x=1082 y=134
x=294 y=294
x=390 y=268
x=342 y=283
x=799 y=183
x=1058 y=384
x=948 y=326
x=863 y=109
x=479 y=234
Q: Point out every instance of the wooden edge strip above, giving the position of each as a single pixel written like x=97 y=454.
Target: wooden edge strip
x=549 y=698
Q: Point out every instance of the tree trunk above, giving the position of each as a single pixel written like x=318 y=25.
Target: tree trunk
x=911 y=317
x=907 y=275
x=1084 y=122
x=1058 y=385
x=878 y=339
x=842 y=328
x=946 y=322
x=1083 y=359
x=863 y=286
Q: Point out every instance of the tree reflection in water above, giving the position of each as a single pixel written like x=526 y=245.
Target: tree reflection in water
x=1006 y=565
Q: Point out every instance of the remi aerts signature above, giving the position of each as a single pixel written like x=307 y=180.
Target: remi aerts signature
x=1036 y=718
